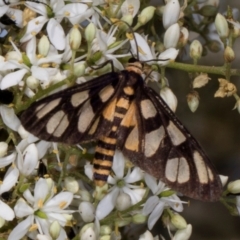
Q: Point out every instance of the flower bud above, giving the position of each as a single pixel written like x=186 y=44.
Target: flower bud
x=90 y=32
x=123 y=201
x=214 y=46
x=229 y=54
x=54 y=229
x=43 y=46
x=146 y=236
x=234 y=187
x=169 y=97
x=32 y=82
x=171 y=13
x=87 y=211
x=196 y=50
x=71 y=184
x=221 y=26
x=208 y=11
x=201 y=80
x=146 y=15
x=3 y=149
x=85 y=195
x=87 y=232
x=193 y=101
x=139 y=218
x=171 y=36
x=235 y=32
x=184 y=34
x=183 y=234
x=128 y=18
x=105 y=237
x=178 y=221
x=105 y=230
x=75 y=38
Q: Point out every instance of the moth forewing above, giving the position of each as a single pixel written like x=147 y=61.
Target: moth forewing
x=118 y=110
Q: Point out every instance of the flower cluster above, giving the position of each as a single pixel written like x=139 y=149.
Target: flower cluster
x=49 y=45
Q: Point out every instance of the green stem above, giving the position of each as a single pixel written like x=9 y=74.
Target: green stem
x=206 y=69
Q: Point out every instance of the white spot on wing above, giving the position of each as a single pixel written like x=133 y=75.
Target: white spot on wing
x=183 y=171
x=78 y=98
x=106 y=93
x=171 y=169
x=210 y=174
x=132 y=141
x=47 y=107
x=177 y=137
x=54 y=121
x=147 y=108
x=153 y=140
x=86 y=116
x=61 y=127
x=201 y=168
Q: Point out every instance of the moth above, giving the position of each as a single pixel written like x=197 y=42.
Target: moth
x=119 y=111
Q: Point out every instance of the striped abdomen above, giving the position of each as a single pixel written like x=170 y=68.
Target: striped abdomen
x=106 y=145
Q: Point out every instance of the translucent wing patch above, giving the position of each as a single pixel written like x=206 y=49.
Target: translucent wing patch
x=72 y=115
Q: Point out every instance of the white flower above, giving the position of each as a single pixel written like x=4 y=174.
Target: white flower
x=155 y=205
x=104 y=42
x=41 y=209
x=27 y=161
x=121 y=184
x=130 y=7
x=10 y=179
x=75 y=12
x=34 y=65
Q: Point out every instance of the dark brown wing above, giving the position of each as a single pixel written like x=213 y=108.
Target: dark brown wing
x=158 y=143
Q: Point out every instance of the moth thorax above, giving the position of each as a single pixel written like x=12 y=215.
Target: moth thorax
x=136 y=67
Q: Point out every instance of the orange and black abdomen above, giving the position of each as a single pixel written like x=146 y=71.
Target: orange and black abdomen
x=106 y=145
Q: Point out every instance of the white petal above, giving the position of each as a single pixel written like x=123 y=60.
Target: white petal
x=130 y=7
x=174 y=202
x=22 y=209
x=107 y=204
x=55 y=202
x=169 y=54
x=40 y=191
x=7 y=160
x=151 y=182
x=135 y=175
x=155 y=215
x=10 y=179
x=88 y=170
x=78 y=12
x=31 y=49
x=36 y=7
x=34 y=26
x=146 y=236
x=21 y=229
x=171 y=13
x=28 y=196
x=118 y=164
x=145 y=53
x=9 y=117
x=56 y=34
x=150 y=204
x=171 y=36
x=6 y=212
x=13 y=78
x=30 y=159
x=42 y=147
x=135 y=197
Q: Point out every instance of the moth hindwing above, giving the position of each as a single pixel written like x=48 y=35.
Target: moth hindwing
x=118 y=111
